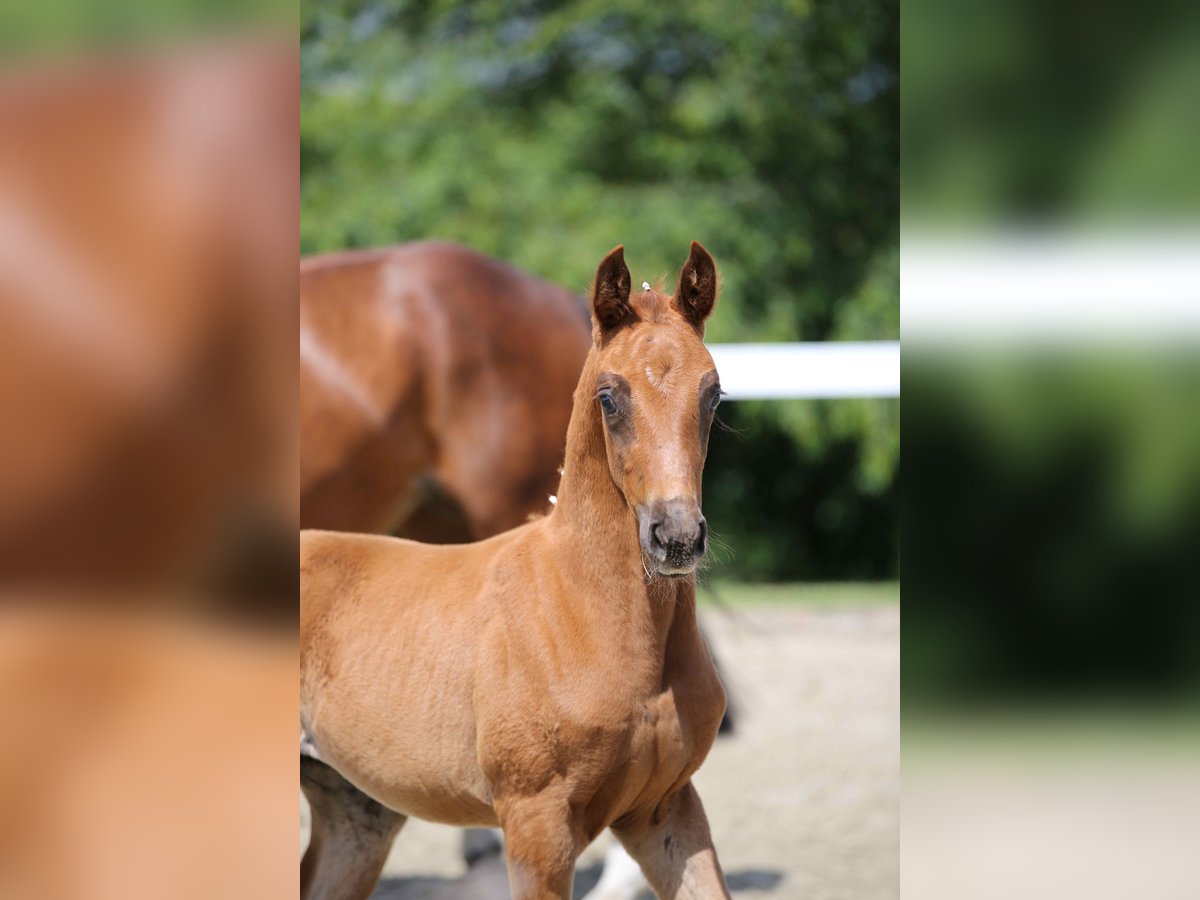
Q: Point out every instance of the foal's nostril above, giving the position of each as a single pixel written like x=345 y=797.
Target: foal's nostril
x=676 y=536
x=656 y=536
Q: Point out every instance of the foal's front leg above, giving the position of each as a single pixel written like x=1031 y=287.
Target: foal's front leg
x=541 y=848
x=677 y=854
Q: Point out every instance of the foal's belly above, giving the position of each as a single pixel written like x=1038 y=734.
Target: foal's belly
x=448 y=807
x=418 y=759
x=446 y=790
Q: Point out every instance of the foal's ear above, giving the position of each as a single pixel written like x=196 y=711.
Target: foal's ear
x=610 y=295
x=697 y=293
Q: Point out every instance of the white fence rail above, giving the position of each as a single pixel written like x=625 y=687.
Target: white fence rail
x=808 y=370
x=1066 y=286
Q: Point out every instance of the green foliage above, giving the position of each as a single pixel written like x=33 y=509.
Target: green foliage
x=1054 y=111
x=1053 y=550
x=29 y=31
x=544 y=133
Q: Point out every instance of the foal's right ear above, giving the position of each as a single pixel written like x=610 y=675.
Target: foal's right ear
x=610 y=295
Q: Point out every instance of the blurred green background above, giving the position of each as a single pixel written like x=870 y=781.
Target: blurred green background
x=1052 y=491
x=61 y=30
x=1050 y=112
x=544 y=133
x=1051 y=519
x=1050 y=542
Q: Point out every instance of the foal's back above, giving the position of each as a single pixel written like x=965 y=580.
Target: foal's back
x=344 y=572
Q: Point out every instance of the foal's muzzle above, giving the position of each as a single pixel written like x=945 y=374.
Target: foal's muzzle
x=674 y=535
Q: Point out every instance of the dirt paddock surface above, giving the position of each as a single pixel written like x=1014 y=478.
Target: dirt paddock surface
x=803 y=798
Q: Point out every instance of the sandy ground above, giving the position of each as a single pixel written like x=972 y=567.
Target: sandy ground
x=803 y=798
x=1046 y=802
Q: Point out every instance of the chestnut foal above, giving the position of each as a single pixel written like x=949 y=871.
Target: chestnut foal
x=552 y=679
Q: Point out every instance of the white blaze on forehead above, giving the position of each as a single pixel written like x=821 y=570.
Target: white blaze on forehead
x=659 y=363
x=656 y=375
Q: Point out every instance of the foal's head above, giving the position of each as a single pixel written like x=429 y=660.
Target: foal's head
x=655 y=390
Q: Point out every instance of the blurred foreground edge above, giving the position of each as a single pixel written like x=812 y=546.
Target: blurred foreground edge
x=148 y=242
x=144 y=759
x=148 y=503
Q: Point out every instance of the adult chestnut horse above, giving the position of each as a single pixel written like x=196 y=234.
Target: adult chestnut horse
x=552 y=679
x=435 y=390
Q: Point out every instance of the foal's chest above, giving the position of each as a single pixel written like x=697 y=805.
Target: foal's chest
x=664 y=732
x=616 y=738
x=665 y=741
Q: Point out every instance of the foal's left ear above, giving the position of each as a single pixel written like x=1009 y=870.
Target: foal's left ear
x=697 y=293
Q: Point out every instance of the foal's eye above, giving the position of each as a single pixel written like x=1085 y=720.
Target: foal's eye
x=608 y=404
x=715 y=401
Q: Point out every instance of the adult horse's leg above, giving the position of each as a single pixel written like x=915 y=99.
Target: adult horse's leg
x=350 y=840
x=540 y=848
x=676 y=854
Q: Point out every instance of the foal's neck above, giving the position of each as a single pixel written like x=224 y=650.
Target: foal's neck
x=590 y=506
x=601 y=528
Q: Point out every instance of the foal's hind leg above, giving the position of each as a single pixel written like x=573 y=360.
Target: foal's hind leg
x=676 y=853
x=351 y=836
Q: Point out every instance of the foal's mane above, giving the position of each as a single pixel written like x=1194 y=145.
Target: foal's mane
x=651 y=305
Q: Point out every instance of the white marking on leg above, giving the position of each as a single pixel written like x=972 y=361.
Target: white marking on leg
x=621 y=878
